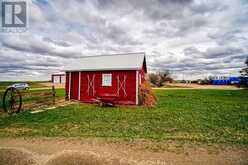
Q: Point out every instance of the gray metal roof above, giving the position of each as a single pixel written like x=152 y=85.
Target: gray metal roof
x=129 y=61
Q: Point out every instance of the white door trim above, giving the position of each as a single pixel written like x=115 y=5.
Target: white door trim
x=79 y=85
x=137 y=87
x=69 y=85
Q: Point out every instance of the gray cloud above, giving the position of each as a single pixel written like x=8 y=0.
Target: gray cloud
x=40 y=45
x=222 y=52
x=189 y=37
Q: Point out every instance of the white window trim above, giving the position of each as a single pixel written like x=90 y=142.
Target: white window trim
x=103 y=82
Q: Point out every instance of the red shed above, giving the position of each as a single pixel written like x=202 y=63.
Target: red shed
x=116 y=75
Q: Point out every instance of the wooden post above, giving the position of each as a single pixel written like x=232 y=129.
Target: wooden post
x=60 y=79
x=54 y=94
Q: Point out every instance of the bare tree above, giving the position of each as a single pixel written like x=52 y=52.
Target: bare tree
x=160 y=77
x=153 y=77
x=164 y=75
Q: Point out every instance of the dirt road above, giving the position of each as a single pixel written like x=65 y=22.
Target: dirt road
x=96 y=151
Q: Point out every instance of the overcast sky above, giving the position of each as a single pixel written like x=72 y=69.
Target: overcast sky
x=192 y=38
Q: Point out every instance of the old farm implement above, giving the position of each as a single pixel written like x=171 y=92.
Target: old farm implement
x=15 y=100
x=107 y=99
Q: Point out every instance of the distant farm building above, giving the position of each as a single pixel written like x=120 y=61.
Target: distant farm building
x=116 y=76
x=58 y=78
x=226 y=80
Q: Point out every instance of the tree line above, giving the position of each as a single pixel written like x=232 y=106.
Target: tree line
x=160 y=77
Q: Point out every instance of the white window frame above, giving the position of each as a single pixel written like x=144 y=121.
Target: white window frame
x=105 y=82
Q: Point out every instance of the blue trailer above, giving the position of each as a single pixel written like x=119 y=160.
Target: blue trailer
x=227 y=81
x=234 y=80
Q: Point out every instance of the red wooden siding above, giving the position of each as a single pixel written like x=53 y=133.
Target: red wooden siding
x=88 y=93
x=74 y=85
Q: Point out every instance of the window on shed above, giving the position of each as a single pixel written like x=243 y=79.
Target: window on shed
x=106 y=79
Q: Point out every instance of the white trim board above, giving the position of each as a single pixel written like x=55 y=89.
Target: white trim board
x=79 y=85
x=69 y=86
x=137 y=87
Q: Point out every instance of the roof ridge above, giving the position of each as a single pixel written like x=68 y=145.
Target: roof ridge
x=123 y=54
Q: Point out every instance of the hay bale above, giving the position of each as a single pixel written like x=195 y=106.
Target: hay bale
x=146 y=95
x=12 y=156
x=83 y=158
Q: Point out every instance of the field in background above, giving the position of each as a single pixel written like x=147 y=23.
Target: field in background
x=212 y=116
x=33 y=84
x=198 y=86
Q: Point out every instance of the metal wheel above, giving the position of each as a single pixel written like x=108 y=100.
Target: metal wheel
x=12 y=101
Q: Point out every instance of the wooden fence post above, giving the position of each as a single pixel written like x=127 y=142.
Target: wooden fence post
x=54 y=94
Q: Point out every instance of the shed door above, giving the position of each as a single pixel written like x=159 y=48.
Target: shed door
x=74 y=85
x=89 y=83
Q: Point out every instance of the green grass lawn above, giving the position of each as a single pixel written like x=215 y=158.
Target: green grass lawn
x=211 y=116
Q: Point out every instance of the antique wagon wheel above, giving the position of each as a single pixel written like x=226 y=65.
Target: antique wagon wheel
x=12 y=100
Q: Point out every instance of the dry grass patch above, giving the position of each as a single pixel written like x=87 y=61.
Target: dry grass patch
x=84 y=158
x=12 y=156
x=146 y=95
